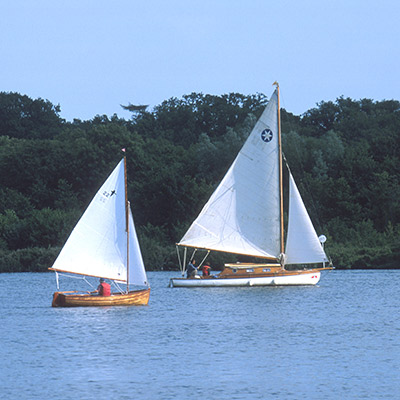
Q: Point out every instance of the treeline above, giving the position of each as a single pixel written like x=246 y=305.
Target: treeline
x=344 y=156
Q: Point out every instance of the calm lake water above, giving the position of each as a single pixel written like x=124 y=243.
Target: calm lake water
x=338 y=340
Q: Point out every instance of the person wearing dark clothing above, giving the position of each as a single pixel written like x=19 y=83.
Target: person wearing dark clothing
x=191 y=270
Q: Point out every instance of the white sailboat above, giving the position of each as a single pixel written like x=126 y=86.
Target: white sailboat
x=244 y=216
x=104 y=244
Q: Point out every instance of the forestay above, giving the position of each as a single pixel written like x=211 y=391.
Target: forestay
x=302 y=244
x=242 y=216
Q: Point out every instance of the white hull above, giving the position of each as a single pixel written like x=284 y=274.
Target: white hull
x=290 y=280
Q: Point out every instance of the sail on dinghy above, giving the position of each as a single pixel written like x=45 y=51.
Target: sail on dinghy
x=244 y=216
x=104 y=244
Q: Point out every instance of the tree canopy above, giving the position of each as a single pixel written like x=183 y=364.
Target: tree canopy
x=344 y=156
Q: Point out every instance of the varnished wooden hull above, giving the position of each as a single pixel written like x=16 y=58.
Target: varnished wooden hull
x=253 y=275
x=134 y=298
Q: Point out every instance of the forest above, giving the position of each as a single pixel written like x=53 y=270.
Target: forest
x=344 y=156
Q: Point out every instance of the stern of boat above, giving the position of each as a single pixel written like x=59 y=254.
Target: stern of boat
x=56 y=300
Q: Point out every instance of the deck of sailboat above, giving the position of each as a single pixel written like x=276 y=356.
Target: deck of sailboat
x=71 y=299
x=253 y=275
x=261 y=270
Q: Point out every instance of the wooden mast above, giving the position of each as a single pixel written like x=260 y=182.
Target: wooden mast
x=280 y=167
x=127 y=225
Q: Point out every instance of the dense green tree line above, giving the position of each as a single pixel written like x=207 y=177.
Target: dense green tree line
x=344 y=156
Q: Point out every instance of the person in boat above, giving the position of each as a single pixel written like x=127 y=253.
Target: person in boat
x=191 y=270
x=104 y=289
x=206 y=270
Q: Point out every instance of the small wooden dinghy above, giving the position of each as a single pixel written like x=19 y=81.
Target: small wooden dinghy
x=104 y=244
x=73 y=299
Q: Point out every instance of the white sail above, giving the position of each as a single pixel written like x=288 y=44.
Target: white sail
x=137 y=272
x=302 y=244
x=242 y=216
x=98 y=244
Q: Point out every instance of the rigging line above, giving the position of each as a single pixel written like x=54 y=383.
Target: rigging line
x=117 y=287
x=313 y=203
x=84 y=278
x=71 y=276
x=286 y=163
x=201 y=263
x=179 y=257
x=194 y=252
x=304 y=182
x=184 y=261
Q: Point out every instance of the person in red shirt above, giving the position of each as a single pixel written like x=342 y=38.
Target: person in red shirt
x=104 y=289
x=206 y=270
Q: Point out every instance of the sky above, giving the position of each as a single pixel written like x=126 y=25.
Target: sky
x=91 y=56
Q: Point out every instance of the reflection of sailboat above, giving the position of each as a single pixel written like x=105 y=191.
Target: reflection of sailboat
x=245 y=216
x=104 y=244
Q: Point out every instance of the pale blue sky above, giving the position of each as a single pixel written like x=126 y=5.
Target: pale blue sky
x=90 y=56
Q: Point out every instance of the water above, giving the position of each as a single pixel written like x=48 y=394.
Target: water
x=339 y=340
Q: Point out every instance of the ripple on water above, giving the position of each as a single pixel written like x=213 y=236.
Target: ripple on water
x=336 y=340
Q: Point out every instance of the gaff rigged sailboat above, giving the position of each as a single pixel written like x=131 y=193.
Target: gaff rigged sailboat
x=104 y=244
x=244 y=216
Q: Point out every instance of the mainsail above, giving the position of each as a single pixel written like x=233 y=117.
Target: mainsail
x=302 y=244
x=98 y=244
x=243 y=214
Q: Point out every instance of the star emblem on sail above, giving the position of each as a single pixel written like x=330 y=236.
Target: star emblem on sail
x=266 y=135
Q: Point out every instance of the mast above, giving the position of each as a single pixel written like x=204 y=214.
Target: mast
x=127 y=225
x=280 y=167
